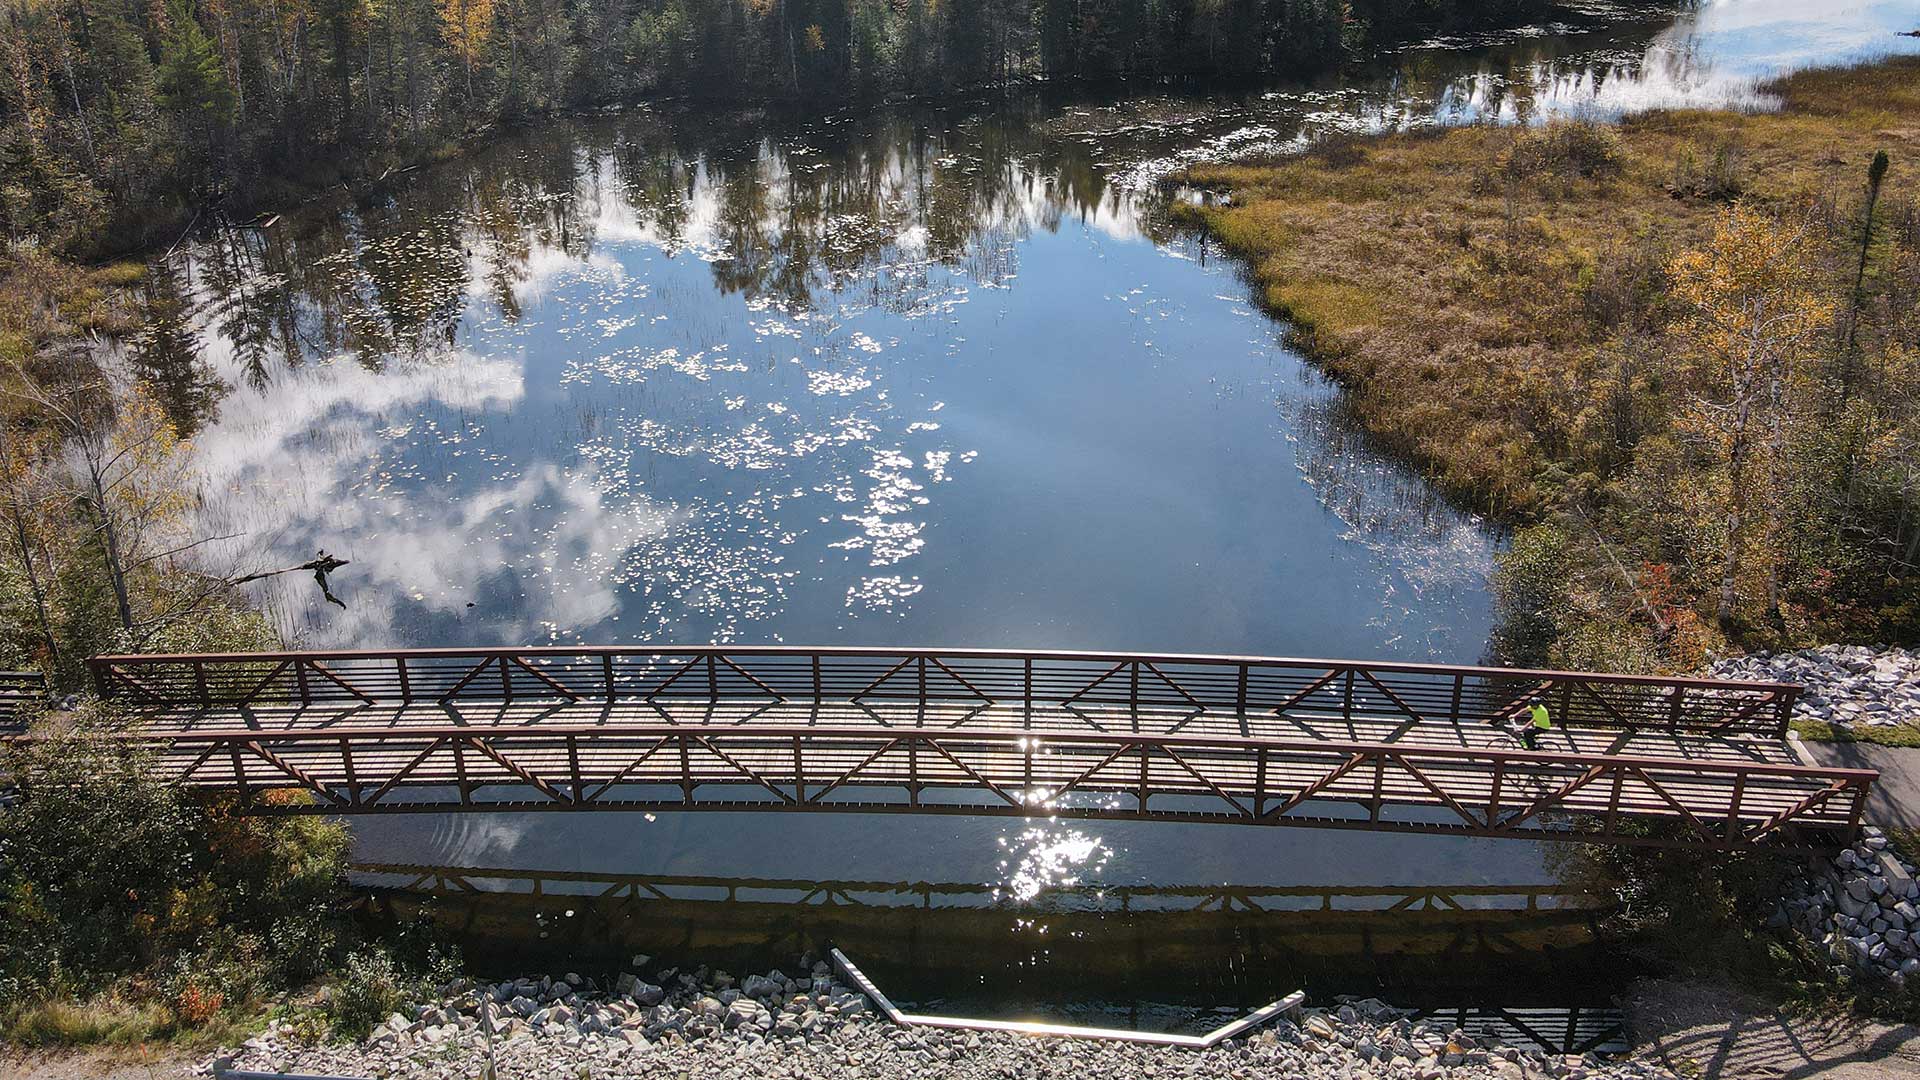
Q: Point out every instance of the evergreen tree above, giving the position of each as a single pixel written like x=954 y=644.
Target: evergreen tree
x=192 y=82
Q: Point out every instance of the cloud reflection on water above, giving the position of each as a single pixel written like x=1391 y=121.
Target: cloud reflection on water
x=670 y=377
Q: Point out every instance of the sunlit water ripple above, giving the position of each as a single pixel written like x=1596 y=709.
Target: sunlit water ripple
x=939 y=376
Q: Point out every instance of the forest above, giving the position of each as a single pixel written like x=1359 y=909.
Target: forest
x=121 y=119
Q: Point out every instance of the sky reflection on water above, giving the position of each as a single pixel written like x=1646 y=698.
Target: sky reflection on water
x=926 y=395
x=924 y=376
x=935 y=377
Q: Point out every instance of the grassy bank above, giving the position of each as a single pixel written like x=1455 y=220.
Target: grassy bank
x=1821 y=731
x=1514 y=309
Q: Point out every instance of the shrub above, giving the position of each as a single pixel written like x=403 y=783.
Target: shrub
x=412 y=959
x=1565 y=149
x=1530 y=592
x=371 y=988
x=107 y=872
x=1719 y=174
x=87 y=862
x=195 y=1004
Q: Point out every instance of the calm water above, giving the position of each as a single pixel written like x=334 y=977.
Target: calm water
x=930 y=376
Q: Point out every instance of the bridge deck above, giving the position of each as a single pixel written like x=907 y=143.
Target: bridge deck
x=883 y=716
x=1211 y=739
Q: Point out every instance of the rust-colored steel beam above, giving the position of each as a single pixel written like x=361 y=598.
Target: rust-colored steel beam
x=1420 y=693
x=1255 y=740
x=1728 y=803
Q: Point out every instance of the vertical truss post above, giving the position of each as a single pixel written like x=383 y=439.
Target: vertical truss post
x=1026 y=703
x=1733 y=808
x=346 y=767
x=799 y=773
x=573 y=768
x=913 y=772
x=460 y=771
x=686 y=773
x=1613 y=802
x=240 y=775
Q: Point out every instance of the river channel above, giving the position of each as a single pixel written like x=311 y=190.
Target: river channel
x=932 y=374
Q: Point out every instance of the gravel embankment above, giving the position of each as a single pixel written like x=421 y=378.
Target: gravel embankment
x=1847 y=685
x=773 y=1027
x=1863 y=907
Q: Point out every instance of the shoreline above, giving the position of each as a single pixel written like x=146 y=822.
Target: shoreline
x=1336 y=339
x=1508 y=310
x=706 y=1023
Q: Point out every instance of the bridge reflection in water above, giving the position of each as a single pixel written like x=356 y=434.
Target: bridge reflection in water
x=1248 y=740
x=1517 y=960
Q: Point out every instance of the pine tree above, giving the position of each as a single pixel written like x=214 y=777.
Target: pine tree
x=193 y=82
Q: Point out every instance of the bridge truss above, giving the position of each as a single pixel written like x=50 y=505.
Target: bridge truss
x=1248 y=740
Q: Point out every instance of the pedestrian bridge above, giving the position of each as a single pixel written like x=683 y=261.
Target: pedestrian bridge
x=1246 y=740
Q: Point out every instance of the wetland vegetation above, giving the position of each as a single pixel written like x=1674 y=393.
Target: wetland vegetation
x=1679 y=352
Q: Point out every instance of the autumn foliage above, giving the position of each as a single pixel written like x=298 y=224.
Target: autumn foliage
x=1685 y=351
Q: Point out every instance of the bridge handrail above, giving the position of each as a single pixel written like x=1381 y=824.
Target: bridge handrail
x=1456 y=693
x=1697 y=682
x=18 y=688
x=1492 y=791
x=784 y=734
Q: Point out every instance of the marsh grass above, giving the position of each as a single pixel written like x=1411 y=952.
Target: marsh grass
x=1449 y=276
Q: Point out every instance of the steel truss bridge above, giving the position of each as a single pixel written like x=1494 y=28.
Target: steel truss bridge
x=1247 y=740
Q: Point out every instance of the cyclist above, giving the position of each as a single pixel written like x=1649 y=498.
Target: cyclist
x=1538 y=721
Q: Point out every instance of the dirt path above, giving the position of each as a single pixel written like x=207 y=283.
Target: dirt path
x=119 y=1063
x=1715 y=1033
x=1895 y=802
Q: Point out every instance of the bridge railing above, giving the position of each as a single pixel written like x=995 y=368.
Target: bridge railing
x=962 y=677
x=19 y=689
x=622 y=765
